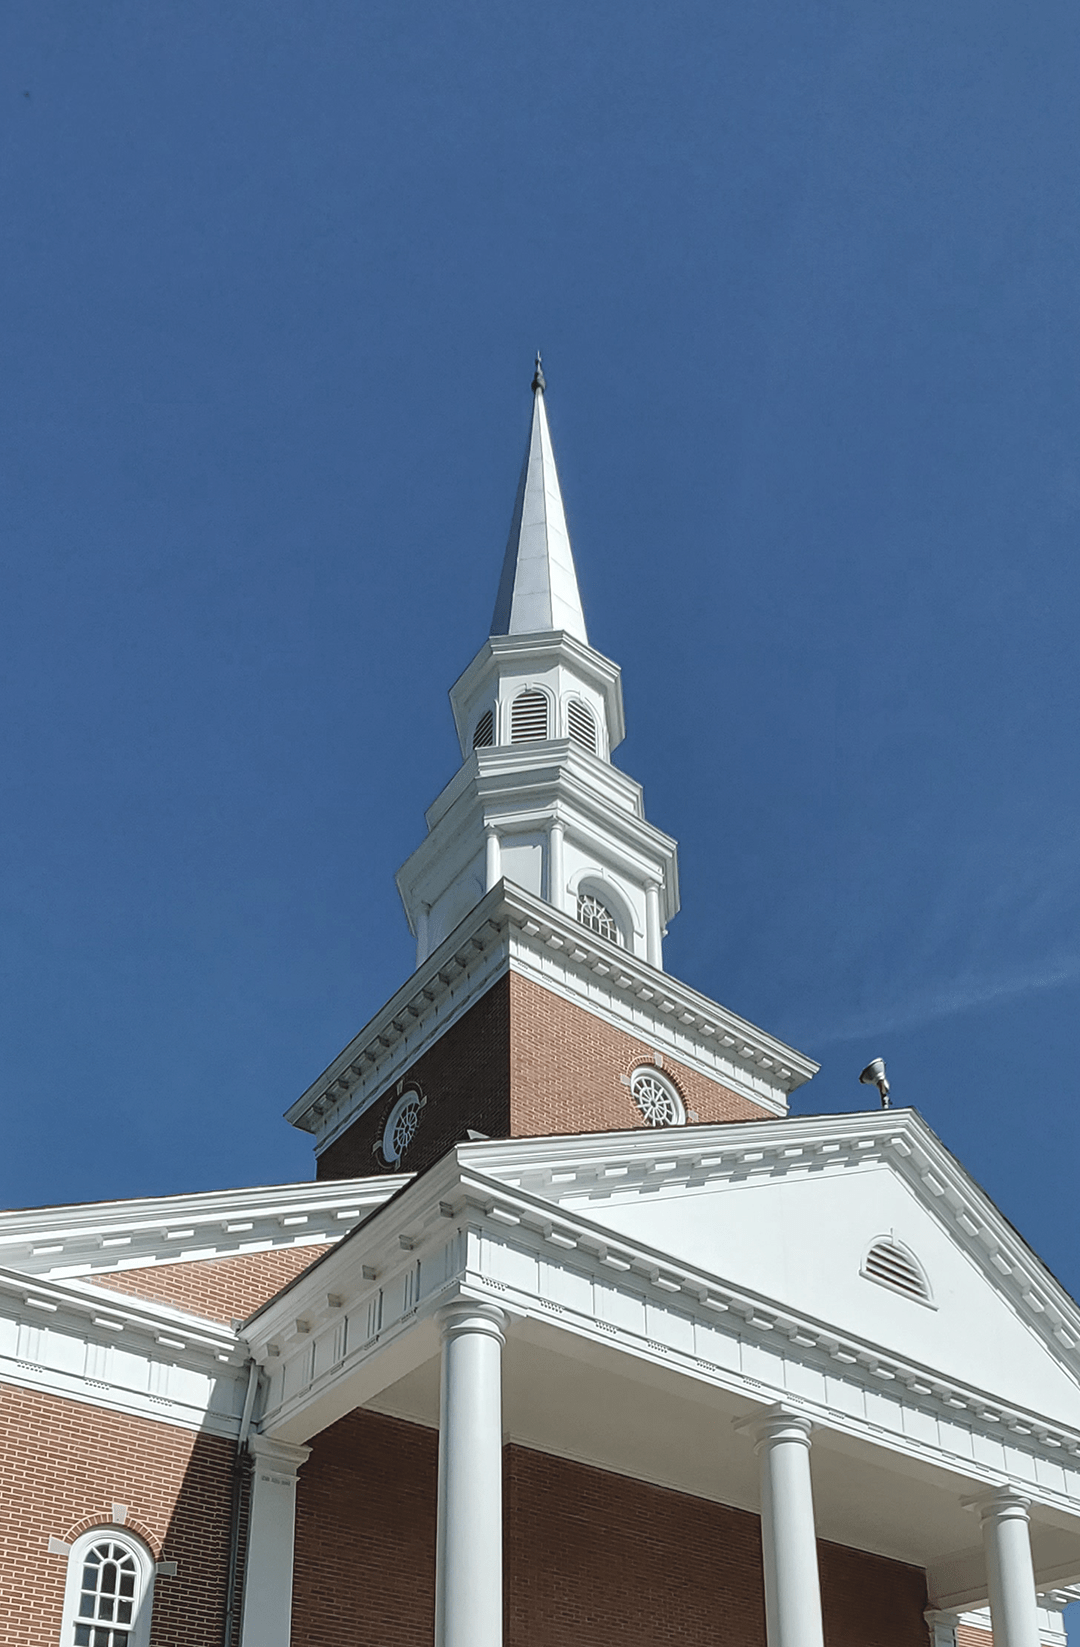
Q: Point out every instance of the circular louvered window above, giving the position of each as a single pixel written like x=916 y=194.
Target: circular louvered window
x=401 y=1125
x=657 y=1099
x=581 y=726
x=890 y=1264
x=484 y=736
x=529 y=717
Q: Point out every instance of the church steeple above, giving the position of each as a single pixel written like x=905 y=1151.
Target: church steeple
x=538 y=590
x=537 y=801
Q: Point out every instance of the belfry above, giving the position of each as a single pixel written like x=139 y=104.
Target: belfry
x=577 y=1335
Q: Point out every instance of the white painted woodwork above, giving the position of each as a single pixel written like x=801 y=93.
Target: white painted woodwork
x=268 y=1576
x=538 y=589
x=469 y=1555
x=1014 y=1616
x=788 y=1537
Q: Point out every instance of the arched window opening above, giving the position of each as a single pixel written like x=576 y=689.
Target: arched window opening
x=888 y=1263
x=657 y=1098
x=107 y=1602
x=484 y=736
x=581 y=725
x=401 y=1125
x=529 y=717
x=597 y=917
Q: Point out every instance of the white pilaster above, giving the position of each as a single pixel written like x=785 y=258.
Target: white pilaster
x=1010 y=1578
x=469 y=1548
x=788 y=1538
x=942 y=1627
x=268 y=1574
x=492 y=859
x=556 y=872
x=654 y=948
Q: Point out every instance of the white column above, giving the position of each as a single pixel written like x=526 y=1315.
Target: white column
x=654 y=952
x=492 y=859
x=469 y=1546
x=268 y=1572
x=788 y=1538
x=1007 y=1542
x=556 y=836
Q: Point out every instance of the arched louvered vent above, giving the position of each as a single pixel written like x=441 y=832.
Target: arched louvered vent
x=529 y=718
x=484 y=736
x=888 y=1263
x=581 y=726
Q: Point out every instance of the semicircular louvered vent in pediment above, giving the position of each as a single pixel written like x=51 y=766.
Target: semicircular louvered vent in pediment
x=893 y=1266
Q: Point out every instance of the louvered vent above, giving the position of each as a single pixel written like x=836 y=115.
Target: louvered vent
x=529 y=718
x=581 y=726
x=484 y=736
x=893 y=1267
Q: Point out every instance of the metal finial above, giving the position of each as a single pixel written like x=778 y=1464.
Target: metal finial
x=874 y=1076
x=538 y=376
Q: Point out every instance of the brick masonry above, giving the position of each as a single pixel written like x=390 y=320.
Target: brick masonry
x=221 y=1289
x=523 y=1062
x=590 y=1557
x=65 y=1465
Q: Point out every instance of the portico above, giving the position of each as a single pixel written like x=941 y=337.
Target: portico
x=473 y=1306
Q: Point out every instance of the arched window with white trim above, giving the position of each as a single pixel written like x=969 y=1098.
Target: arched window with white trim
x=109 y=1591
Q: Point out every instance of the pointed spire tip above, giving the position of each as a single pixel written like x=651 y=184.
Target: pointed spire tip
x=538 y=382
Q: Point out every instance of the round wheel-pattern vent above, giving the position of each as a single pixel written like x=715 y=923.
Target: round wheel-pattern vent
x=401 y=1125
x=657 y=1099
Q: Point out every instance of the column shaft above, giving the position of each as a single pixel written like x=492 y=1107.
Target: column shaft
x=654 y=948
x=555 y=864
x=469 y=1547
x=1010 y=1577
x=788 y=1538
x=492 y=859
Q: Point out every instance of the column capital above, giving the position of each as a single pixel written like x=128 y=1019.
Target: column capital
x=284 y=1457
x=465 y=1315
x=776 y=1424
x=999 y=1504
x=941 y=1622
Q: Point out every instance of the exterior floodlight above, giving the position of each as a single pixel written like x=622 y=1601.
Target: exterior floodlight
x=874 y=1076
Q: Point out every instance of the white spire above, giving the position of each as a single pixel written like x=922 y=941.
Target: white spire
x=538 y=590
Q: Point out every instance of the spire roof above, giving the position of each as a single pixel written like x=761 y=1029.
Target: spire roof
x=538 y=590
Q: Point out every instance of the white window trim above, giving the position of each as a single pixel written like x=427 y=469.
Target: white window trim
x=139 y=1630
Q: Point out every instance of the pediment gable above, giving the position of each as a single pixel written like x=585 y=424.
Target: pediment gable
x=789 y=1210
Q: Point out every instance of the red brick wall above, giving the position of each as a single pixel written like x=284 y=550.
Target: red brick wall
x=524 y=1062
x=592 y=1559
x=365 y=1536
x=465 y=1078
x=221 y=1289
x=968 y=1636
x=565 y=1065
x=64 y=1466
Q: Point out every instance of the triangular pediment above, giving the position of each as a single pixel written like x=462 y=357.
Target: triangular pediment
x=790 y=1210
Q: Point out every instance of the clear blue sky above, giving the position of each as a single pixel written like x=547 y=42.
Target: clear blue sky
x=806 y=280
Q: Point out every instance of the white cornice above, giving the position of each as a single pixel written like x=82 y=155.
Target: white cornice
x=511 y=927
x=96 y=1237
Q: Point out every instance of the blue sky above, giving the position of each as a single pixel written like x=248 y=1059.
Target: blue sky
x=806 y=281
